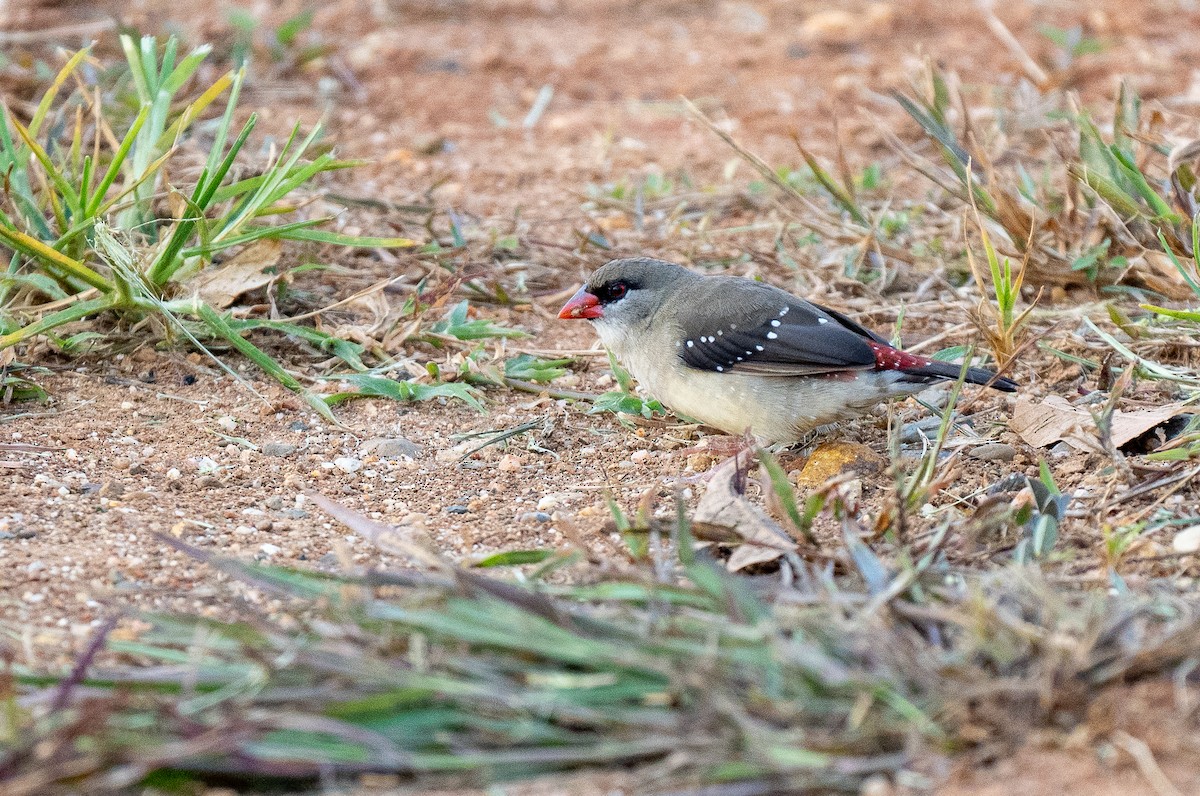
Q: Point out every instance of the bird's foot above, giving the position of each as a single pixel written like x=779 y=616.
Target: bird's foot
x=721 y=446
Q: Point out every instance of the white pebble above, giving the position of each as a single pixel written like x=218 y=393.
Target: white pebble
x=1187 y=540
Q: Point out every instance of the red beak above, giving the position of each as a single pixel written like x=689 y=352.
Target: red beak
x=582 y=305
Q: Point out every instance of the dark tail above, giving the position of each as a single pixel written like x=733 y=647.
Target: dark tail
x=933 y=369
x=925 y=369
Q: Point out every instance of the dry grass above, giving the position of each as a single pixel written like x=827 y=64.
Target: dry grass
x=700 y=676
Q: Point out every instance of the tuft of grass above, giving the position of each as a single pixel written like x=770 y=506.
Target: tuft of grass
x=1133 y=217
x=16 y=384
x=1002 y=326
x=817 y=682
x=97 y=225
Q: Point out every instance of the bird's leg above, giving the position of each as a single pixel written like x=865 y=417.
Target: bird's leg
x=800 y=450
x=721 y=447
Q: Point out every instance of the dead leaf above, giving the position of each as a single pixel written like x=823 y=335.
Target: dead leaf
x=221 y=286
x=726 y=506
x=1042 y=424
x=1157 y=271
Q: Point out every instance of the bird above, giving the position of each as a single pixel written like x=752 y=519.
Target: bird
x=740 y=355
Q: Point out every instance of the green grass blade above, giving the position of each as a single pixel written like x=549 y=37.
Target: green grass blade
x=66 y=190
x=835 y=188
x=372 y=386
x=56 y=319
x=117 y=162
x=1109 y=191
x=337 y=238
x=39 y=115
x=220 y=327
x=35 y=248
x=168 y=261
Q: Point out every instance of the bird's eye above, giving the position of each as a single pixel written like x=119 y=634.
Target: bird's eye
x=615 y=291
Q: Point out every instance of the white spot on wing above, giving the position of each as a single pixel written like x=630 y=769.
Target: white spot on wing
x=719 y=368
x=822 y=320
x=774 y=323
x=690 y=344
x=757 y=348
x=770 y=336
x=784 y=311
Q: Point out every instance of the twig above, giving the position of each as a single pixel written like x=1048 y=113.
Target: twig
x=937 y=338
x=539 y=389
x=1140 y=751
x=1006 y=37
x=1150 y=487
x=63 y=695
x=80 y=29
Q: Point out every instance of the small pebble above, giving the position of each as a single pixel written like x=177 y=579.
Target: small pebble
x=457 y=509
x=271 y=549
x=509 y=463
x=993 y=452
x=1060 y=450
x=278 y=449
x=531 y=517
x=926 y=428
x=347 y=464
x=876 y=785
x=1187 y=540
x=393 y=448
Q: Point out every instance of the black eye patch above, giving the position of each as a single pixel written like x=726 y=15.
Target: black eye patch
x=612 y=291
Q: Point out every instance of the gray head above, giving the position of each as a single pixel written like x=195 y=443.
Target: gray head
x=626 y=293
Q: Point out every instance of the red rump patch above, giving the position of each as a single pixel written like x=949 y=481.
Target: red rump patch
x=888 y=358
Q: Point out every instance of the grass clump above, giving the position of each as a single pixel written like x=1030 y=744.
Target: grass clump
x=1097 y=213
x=813 y=682
x=107 y=215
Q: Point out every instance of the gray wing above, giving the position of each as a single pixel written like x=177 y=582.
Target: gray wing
x=772 y=333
